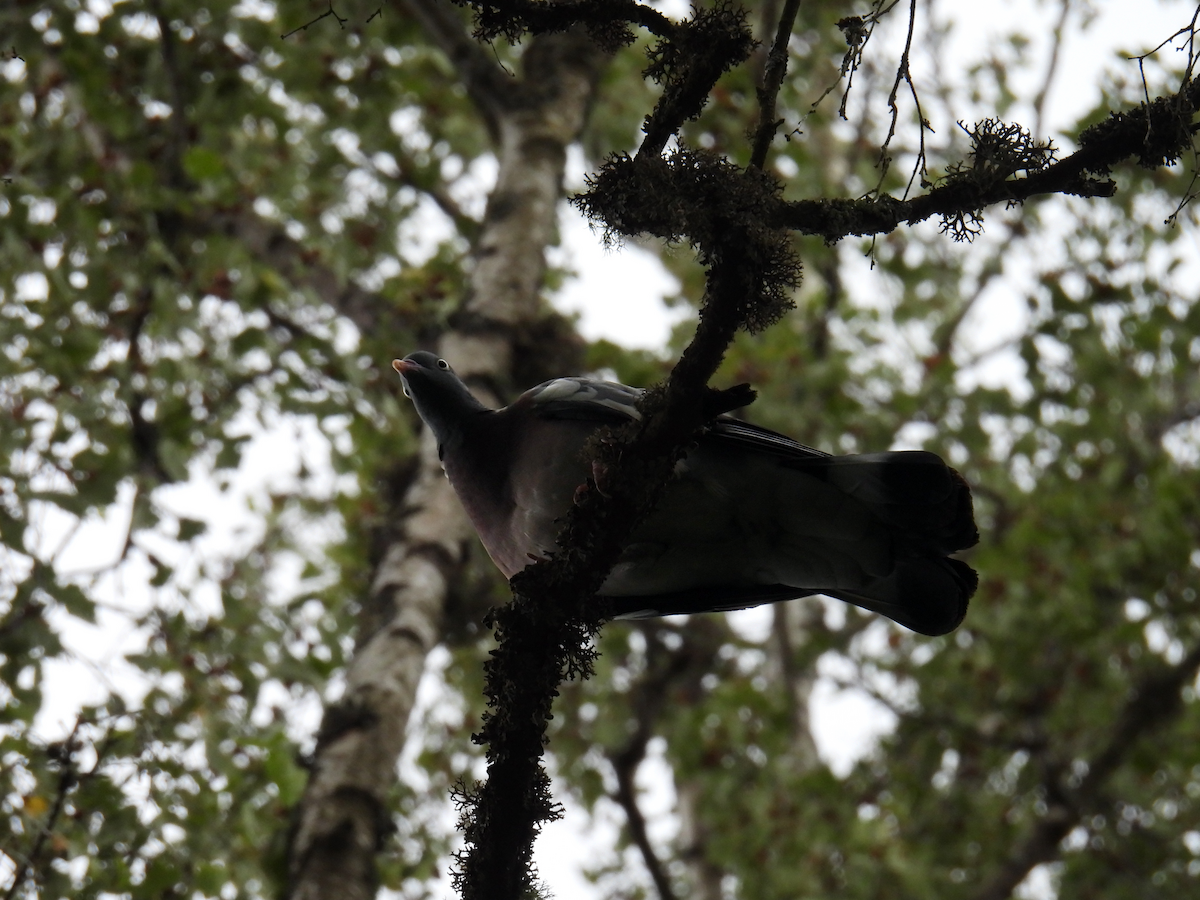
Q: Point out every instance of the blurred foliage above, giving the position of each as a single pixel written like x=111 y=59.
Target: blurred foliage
x=145 y=343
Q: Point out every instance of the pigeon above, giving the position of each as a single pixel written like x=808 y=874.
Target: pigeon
x=749 y=517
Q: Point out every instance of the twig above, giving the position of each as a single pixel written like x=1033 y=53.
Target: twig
x=1190 y=31
x=772 y=79
x=341 y=22
x=1189 y=193
x=1103 y=146
x=1039 y=102
x=484 y=78
x=903 y=73
x=649 y=697
x=857 y=31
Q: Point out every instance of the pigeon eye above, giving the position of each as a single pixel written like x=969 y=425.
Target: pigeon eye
x=442 y=364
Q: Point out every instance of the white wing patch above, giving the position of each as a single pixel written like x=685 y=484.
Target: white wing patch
x=617 y=397
x=558 y=389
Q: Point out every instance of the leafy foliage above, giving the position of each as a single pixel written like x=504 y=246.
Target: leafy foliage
x=210 y=234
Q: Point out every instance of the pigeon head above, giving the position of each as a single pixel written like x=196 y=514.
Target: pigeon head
x=441 y=398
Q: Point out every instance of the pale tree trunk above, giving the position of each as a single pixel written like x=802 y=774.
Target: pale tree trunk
x=343 y=817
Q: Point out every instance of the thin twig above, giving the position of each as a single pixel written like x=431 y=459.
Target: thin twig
x=649 y=698
x=1189 y=193
x=341 y=22
x=858 y=32
x=1039 y=102
x=904 y=73
x=1082 y=174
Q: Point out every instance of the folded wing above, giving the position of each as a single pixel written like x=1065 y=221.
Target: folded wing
x=755 y=517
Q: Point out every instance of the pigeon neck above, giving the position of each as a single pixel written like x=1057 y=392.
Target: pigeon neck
x=477 y=459
x=450 y=411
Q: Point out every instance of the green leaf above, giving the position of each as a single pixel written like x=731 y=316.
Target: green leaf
x=203 y=164
x=12 y=530
x=162 y=572
x=189 y=529
x=76 y=602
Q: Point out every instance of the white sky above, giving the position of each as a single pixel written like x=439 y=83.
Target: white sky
x=618 y=295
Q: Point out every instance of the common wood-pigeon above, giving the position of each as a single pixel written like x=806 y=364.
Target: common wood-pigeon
x=750 y=517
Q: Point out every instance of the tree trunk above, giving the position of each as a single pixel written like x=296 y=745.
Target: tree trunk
x=343 y=817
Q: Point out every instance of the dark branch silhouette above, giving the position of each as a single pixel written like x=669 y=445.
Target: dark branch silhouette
x=772 y=79
x=330 y=12
x=1154 y=134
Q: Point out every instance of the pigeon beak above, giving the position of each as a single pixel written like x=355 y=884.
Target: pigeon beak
x=401 y=366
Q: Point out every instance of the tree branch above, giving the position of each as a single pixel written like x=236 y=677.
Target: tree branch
x=904 y=73
x=668 y=673
x=428 y=181
x=648 y=699
x=177 y=124
x=1155 y=134
x=270 y=243
x=687 y=65
x=1056 y=44
x=544 y=634
x=857 y=31
x=488 y=85
x=772 y=78
x=792 y=624
x=605 y=20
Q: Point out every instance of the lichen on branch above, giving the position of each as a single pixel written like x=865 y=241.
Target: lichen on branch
x=716 y=207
